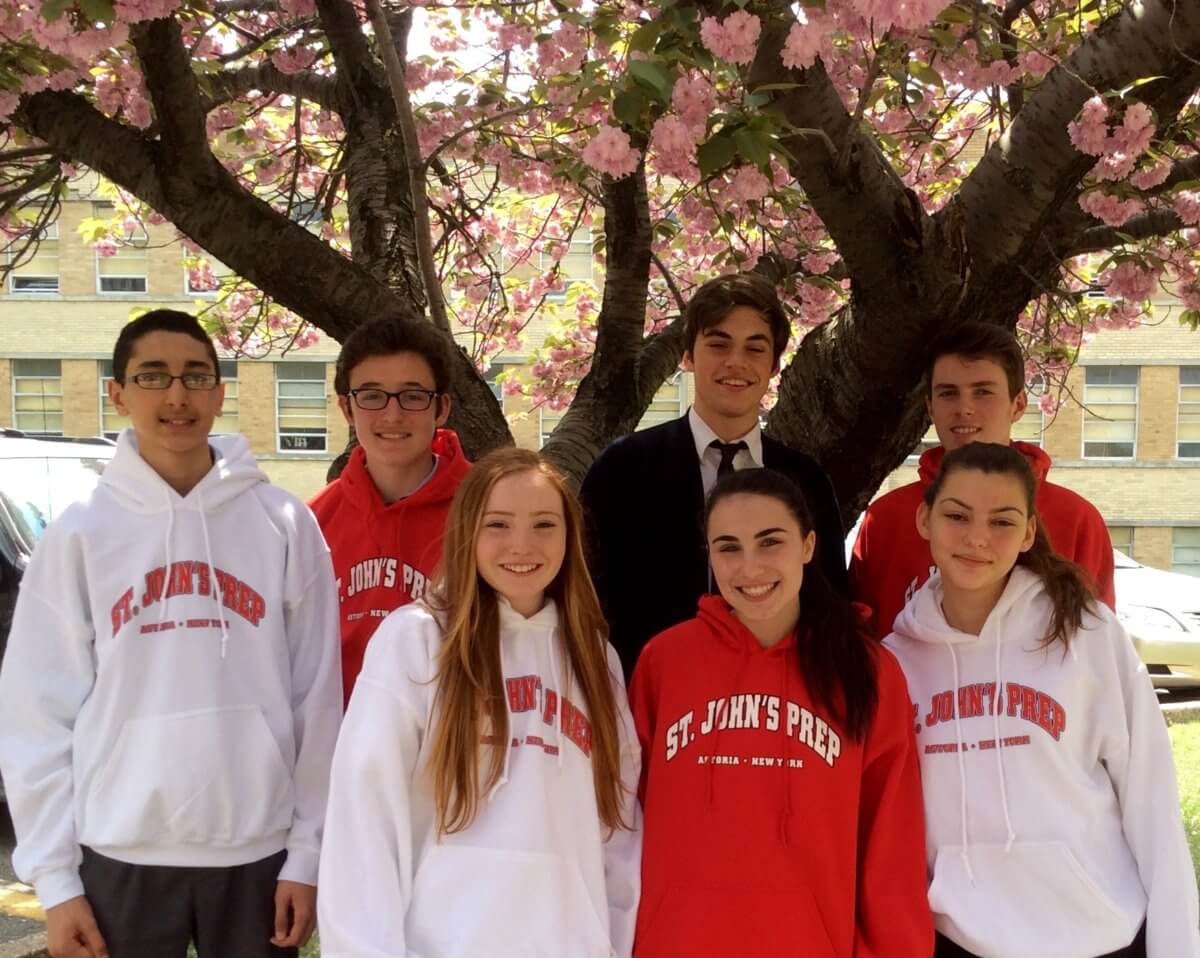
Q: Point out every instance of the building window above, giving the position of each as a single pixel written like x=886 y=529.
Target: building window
x=37 y=396
x=112 y=422
x=1185 y=550
x=1031 y=426
x=668 y=403
x=125 y=271
x=1110 y=399
x=301 y=406
x=1188 y=446
x=1122 y=539
x=39 y=274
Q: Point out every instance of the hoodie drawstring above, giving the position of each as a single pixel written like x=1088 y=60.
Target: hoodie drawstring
x=166 y=585
x=562 y=682
x=1000 y=751
x=962 y=770
x=785 y=818
x=213 y=586
x=506 y=743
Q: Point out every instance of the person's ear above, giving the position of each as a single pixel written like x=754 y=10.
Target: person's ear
x=687 y=362
x=1020 y=404
x=344 y=405
x=1030 y=534
x=443 y=406
x=923 y=515
x=116 y=394
x=809 y=547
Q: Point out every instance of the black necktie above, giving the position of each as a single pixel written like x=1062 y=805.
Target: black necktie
x=727 y=450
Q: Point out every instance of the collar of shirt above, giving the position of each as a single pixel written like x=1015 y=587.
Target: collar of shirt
x=750 y=457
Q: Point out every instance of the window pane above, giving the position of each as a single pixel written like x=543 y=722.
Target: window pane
x=1188 y=436
x=1189 y=375
x=1122 y=538
x=1111 y=375
x=300 y=371
x=1108 y=450
x=301 y=407
x=1110 y=396
x=1185 y=551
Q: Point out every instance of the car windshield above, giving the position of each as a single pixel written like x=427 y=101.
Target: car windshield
x=33 y=492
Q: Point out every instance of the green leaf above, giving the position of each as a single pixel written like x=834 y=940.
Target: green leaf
x=755 y=147
x=768 y=87
x=1191 y=319
x=716 y=154
x=53 y=9
x=645 y=36
x=628 y=107
x=926 y=74
x=953 y=14
x=1185 y=185
x=652 y=75
x=97 y=11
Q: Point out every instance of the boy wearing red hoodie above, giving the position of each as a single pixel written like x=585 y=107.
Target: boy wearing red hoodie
x=384 y=516
x=975 y=391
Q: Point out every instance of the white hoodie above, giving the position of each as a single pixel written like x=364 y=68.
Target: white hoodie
x=1059 y=841
x=187 y=725
x=535 y=875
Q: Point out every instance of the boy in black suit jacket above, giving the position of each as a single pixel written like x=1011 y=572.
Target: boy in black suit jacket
x=644 y=495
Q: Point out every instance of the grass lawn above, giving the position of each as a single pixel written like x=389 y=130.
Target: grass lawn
x=1185 y=743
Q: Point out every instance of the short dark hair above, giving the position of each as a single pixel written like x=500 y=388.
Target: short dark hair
x=713 y=301
x=385 y=337
x=977 y=341
x=160 y=321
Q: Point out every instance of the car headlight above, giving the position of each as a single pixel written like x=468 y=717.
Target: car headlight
x=1147 y=615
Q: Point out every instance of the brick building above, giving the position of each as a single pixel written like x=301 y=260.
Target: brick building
x=1135 y=452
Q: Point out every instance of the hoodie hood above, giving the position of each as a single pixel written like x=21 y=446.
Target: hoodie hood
x=924 y=621
x=139 y=488
x=452 y=465
x=725 y=626
x=931 y=461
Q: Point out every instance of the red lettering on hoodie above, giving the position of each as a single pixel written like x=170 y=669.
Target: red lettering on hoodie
x=383 y=553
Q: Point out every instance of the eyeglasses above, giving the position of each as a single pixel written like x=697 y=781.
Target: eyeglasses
x=164 y=380
x=413 y=400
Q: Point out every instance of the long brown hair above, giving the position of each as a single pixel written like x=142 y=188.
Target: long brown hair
x=470 y=693
x=1069 y=587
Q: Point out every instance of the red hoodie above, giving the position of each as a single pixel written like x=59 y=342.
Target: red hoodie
x=891 y=560
x=768 y=830
x=383 y=555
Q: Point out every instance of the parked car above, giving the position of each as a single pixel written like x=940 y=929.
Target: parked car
x=1161 y=612
x=38 y=479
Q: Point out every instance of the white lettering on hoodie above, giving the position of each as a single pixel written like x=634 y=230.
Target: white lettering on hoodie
x=171 y=689
x=1051 y=804
x=536 y=874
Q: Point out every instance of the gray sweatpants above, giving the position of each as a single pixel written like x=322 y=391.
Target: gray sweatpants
x=155 y=911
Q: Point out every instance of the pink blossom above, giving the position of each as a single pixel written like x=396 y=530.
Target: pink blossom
x=1114 y=167
x=293 y=59
x=694 y=98
x=674 y=146
x=733 y=40
x=107 y=246
x=749 y=183
x=1089 y=130
x=1130 y=281
x=1152 y=176
x=803 y=45
x=298 y=8
x=8 y=103
x=1187 y=207
x=1190 y=294
x=819 y=262
x=610 y=151
x=1109 y=209
x=906 y=14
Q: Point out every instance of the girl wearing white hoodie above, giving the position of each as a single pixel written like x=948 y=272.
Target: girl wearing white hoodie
x=1052 y=813
x=482 y=799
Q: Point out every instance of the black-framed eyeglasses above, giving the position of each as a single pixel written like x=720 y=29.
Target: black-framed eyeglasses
x=412 y=400
x=165 y=380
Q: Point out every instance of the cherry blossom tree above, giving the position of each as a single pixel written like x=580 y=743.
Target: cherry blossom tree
x=894 y=166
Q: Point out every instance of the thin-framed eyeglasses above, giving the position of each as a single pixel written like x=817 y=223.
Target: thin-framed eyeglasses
x=412 y=400
x=203 y=381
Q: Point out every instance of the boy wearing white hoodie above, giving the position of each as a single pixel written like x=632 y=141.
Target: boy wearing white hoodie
x=170 y=696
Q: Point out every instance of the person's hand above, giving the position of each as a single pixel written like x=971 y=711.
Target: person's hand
x=295 y=914
x=72 y=932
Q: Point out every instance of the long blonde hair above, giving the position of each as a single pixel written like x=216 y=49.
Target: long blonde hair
x=469 y=680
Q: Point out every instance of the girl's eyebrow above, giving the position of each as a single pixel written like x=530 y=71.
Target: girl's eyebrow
x=774 y=530
x=959 y=502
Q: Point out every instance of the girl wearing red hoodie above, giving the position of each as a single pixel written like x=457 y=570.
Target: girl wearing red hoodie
x=783 y=811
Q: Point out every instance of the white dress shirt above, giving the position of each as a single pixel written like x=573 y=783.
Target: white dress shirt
x=749 y=458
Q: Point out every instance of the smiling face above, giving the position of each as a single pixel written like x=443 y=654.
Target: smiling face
x=522 y=539
x=733 y=364
x=758 y=552
x=977 y=527
x=395 y=440
x=969 y=402
x=172 y=425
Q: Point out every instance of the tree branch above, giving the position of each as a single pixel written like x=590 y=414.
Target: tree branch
x=173 y=89
x=1146 y=226
x=230 y=84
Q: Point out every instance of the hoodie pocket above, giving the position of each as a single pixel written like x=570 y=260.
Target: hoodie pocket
x=213 y=777
x=1036 y=901
x=698 y=919
x=471 y=901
